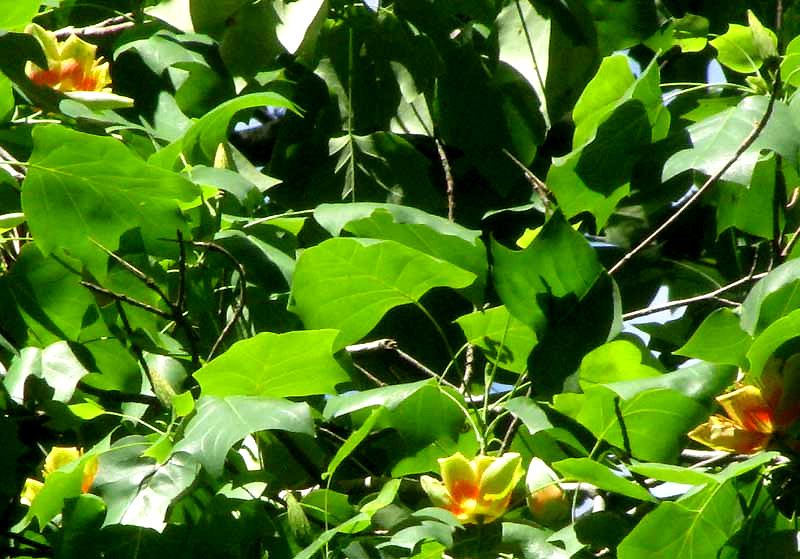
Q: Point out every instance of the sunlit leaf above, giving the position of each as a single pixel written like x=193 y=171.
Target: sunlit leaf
x=349 y=284
x=275 y=365
x=220 y=422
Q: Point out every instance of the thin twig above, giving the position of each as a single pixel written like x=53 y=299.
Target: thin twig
x=696 y=299
x=369 y=375
x=106 y=27
x=16 y=171
x=448 y=177
x=377 y=345
x=746 y=143
x=239 y=308
x=790 y=244
x=125 y=299
x=538 y=185
x=177 y=313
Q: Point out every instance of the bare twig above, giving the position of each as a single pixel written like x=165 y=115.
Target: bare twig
x=369 y=375
x=125 y=299
x=106 y=27
x=696 y=299
x=746 y=143
x=391 y=346
x=16 y=171
x=237 y=310
x=177 y=313
x=538 y=185
x=448 y=177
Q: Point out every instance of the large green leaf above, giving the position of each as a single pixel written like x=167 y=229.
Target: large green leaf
x=349 y=284
x=297 y=363
x=700 y=381
x=772 y=297
x=737 y=48
x=56 y=364
x=136 y=489
x=503 y=339
x=297 y=22
x=749 y=208
x=589 y=471
x=695 y=530
x=570 y=303
x=414 y=228
x=652 y=422
x=221 y=422
x=716 y=139
x=83 y=189
x=719 y=339
x=623 y=24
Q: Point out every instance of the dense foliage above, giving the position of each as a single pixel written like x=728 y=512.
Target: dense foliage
x=464 y=278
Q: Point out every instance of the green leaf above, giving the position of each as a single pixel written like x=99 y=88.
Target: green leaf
x=220 y=422
x=388 y=397
x=699 y=381
x=749 y=208
x=297 y=21
x=211 y=130
x=765 y=41
x=18 y=14
x=673 y=474
x=782 y=330
x=739 y=50
x=772 y=297
x=694 y=531
x=349 y=445
x=137 y=490
x=790 y=66
x=413 y=115
x=719 y=339
x=530 y=542
x=654 y=421
x=589 y=471
x=413 y=228
x=82 y=519
x=570 y=303
x=6 y=101
x=523 y=36
x=503 y=339
x=297 y=363
x=349 y=284
x=530 y=413
x=76 y=181
x=616 y=361
x=716 y=139
x=622 y=24
x=56 y=364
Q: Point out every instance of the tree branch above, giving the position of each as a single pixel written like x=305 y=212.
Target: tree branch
x=106 y=27
x=696 y=299
x=746 y=143
x=448 y=177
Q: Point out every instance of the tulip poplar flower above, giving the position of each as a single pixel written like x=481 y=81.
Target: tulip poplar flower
x=753 y=414
x=57 y=458
x=71 y=64
x=477 y=490
x=74 y=70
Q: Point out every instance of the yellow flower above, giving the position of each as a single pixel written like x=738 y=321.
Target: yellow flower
x=754 y=415
x=478 y=490
x=57 y=458
x=71 y=64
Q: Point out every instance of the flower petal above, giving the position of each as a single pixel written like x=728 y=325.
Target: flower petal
x=747 y=408
x=436 y=490
x=500 y=478
x=459 y=477
x=720 y=433
x=59 y=457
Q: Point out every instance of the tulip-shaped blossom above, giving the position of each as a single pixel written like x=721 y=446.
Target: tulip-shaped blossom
x=477 y=490
x=57 y=458
x=71 y=64
x=753 y=414
x=546 y=499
